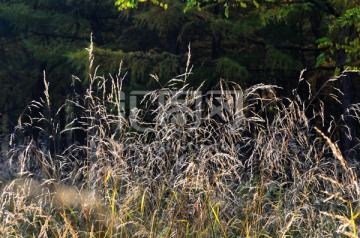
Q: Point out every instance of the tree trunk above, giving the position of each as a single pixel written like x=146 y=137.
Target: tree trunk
x=5 y=130
x=350 y=133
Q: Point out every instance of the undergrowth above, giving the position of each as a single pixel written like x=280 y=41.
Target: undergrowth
x=261 y=169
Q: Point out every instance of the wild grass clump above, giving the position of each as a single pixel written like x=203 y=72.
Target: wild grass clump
x=260 y=169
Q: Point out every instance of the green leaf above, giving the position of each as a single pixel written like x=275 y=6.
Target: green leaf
x=325 y=45
x=187 y=8
x=243 y=5
x=320 y=59
x=322 y=40
x=190 y=3
x=337 y=71
x=256 y=4
x=227 y=11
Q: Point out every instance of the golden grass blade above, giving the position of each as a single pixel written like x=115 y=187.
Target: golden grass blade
x=68 y=223
x=334 y=148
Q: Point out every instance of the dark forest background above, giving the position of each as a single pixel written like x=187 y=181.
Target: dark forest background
x=248 y=42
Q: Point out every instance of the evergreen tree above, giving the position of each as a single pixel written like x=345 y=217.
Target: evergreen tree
x=39 y=36
x=244 y=41
x=265 y=41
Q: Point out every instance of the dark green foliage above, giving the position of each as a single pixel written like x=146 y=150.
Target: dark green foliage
x=243 y=41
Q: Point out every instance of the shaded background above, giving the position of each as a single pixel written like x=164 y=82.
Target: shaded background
x=268 y=42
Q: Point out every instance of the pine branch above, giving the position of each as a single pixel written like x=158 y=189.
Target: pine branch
x=287 y=47
x=53 y=35
x=325 y=6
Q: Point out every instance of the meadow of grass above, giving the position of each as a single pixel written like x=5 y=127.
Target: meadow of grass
x=262 y=170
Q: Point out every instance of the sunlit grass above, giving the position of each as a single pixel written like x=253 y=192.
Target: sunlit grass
x=263 y=170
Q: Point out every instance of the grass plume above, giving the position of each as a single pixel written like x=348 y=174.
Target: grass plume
x=260 y=170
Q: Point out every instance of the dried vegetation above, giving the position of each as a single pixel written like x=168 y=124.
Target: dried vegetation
x=262 y=170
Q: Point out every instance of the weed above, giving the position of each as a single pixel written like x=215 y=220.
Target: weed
x=260 y=169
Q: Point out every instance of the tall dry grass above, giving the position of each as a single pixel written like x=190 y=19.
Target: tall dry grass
x=261 y=170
